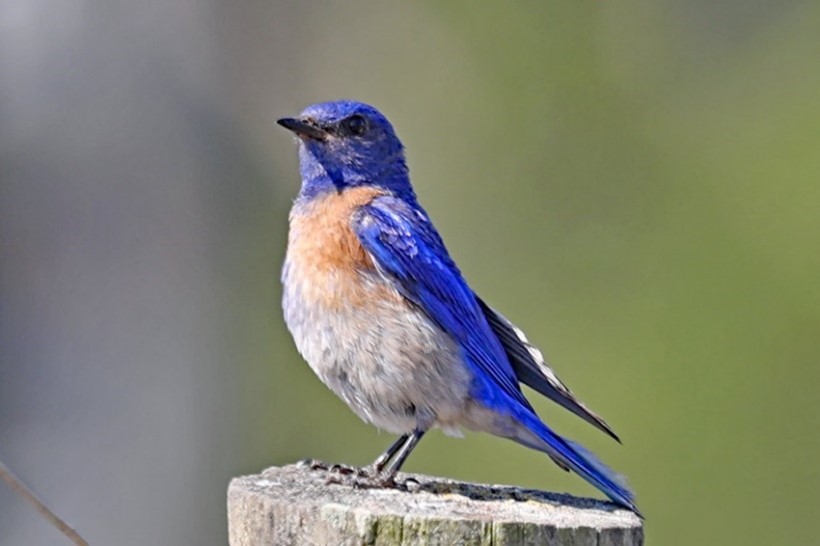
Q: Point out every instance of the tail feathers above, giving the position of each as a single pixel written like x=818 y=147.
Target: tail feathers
x=616 y=487
x=569 y=454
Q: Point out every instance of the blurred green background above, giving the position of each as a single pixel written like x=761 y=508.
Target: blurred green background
x=635 y=184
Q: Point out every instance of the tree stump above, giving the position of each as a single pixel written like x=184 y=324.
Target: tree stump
x=295 y=505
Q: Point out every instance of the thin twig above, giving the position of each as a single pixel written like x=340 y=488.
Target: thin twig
x=17 y=485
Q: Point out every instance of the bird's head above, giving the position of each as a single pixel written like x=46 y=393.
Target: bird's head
x=346 y=144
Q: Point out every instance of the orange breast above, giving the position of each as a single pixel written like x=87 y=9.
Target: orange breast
x=325 y=255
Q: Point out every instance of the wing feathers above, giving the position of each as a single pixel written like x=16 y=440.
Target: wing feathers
x=532 y=370
x=409 y=253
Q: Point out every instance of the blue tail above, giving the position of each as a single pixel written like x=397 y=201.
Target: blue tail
x=581 y=461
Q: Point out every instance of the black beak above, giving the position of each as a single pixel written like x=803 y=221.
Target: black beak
x=303 y=128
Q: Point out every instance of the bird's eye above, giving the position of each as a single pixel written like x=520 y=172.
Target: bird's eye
x=355 y=125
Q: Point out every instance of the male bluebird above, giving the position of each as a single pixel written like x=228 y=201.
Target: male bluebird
x=383 y=316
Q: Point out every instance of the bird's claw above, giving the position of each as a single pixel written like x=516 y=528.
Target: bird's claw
x=344 y=470
x=343 y=475
x=335 y=468
x=368 y=477
x=313 y=464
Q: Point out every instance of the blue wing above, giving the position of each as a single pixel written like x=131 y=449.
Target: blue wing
x=407 y=249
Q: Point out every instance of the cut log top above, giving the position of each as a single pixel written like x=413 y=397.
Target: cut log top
x=294 y=505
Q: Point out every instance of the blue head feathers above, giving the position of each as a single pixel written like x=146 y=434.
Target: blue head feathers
x=345 y=144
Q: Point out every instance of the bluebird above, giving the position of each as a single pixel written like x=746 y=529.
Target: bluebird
x=383 y=316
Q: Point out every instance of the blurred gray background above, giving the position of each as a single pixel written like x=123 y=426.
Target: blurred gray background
x=634 y=183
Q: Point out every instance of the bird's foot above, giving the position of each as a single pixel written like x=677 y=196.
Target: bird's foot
x=336 y=472
x=368 y=477
x=371 y=471
x=336 y=468
x=371 y=478
x=345 y=475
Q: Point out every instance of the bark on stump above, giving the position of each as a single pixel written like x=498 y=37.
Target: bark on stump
x=294 y=505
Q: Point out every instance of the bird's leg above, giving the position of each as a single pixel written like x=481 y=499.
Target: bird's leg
x=338 y=473
x=377 y=466
x=383 y=470
x=388 y=472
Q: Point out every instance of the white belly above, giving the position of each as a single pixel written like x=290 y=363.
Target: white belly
x=388 y=361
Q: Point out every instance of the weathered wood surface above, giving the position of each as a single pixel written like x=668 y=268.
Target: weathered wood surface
x=294 y=505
